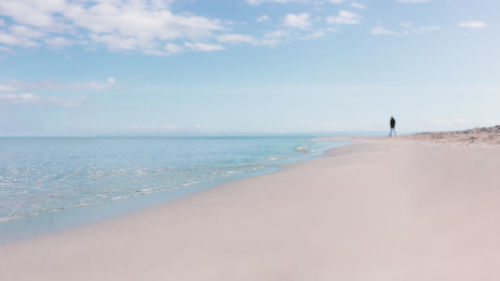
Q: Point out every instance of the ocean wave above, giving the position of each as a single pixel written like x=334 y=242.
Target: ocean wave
x=63 y=180
x=10 y=218
x=303 y=148
x=128 y=195
x=275 y=158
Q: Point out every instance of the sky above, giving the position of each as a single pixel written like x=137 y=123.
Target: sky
x=219 y=67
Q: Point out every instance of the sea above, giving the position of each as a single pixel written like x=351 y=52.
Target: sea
x=52 y=184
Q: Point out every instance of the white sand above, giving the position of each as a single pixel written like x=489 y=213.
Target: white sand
x=388 y=211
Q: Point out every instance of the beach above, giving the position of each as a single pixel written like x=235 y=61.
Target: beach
x=402 y=209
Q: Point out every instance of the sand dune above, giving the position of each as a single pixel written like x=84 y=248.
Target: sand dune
x=371 y=211
x=490 y=135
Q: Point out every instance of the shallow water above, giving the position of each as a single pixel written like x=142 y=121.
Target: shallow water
x=48 y=184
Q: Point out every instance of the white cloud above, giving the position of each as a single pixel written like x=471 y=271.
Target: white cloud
x=20 y=86
x=407 y=29
x=111 y=80
x=34 y=13
x=151 y=27
x=300 y=21
x=263 y=18
x=118 y=24
x=203 y=47
x=473 y=24
x=428 y=28
x=274 y=37
x=18 y=98
x=5 y=49
x=379 y=30
x=313 y=35
x=357 y=5
x=412 y=1
x=118 y=42
x=7 y=87
x=24 y=31
x=276 y=34
x=235 y=38
x=258 y=2
x=20 y=35
x=134 y=26
x=91 y=86
x=28 y=98
x=58 y=42
x=344 y=17
x=174 y=48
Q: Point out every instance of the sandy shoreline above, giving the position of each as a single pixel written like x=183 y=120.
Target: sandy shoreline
x=372 y=211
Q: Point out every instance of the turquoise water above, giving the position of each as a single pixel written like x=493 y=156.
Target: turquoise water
x=48 y=184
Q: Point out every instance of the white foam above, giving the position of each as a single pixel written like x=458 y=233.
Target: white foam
x=303 y=148
x=274 y=158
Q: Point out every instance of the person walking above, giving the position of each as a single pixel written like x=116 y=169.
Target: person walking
x=392 y=123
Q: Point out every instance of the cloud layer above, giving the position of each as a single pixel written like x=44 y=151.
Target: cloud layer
x=152 y=27
x=32 y=99
x=118 y=24
x=15 y=92
x=473 y=24
x=146 y=26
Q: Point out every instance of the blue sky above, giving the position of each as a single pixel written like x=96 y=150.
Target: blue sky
x=127 y=67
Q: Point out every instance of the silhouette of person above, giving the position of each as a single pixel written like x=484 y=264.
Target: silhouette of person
x=393 y=126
